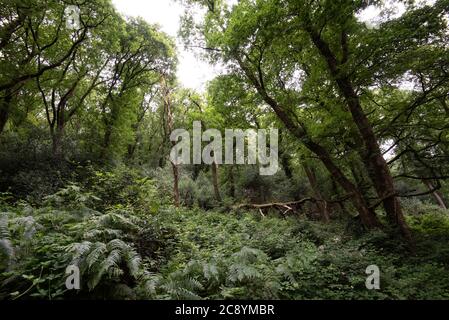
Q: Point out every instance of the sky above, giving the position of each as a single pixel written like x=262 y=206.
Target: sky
x=192 y=71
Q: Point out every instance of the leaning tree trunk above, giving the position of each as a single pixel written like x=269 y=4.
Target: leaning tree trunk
x=321 y=204
x=367 y=215
x=436 y=195
x=374 y=161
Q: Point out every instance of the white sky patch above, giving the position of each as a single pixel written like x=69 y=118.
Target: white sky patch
x=192 y=71
x=373 y=15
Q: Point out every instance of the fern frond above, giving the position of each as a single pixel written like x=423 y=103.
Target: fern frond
x=4 y=225
x=117 y=244
x=133 y=262
x=152 y=284
x=115 y=272
x=103 y=233
x=210 y=272
x=117 y=221
x=29 y=224
x=113 y=260
x=79 y=249
x=98 y=251
x=7 y=248
x=242 y=272
x=249 y=255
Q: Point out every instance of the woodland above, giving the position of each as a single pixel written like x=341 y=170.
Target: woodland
x=86 y=178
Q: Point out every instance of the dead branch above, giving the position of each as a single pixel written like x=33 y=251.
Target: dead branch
x=282 y=207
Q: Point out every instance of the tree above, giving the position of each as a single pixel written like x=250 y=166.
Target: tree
x=39 y=46
x=138 y=59
x=293 y=51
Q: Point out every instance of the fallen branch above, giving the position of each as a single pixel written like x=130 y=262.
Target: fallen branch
x=282 y=207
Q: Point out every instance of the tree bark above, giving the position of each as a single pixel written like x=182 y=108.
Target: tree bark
x=336 y=191
x=5 y=103
x=231 y=182
x=168 y=113
x=175 y=184
x=215 y=181
x=436 y=195
x=321 y=204
x=285 y=157
x=367 y=215
x=214 y=165
x=57 y=148
x=285 y=161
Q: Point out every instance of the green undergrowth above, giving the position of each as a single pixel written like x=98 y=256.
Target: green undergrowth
x=147 y=249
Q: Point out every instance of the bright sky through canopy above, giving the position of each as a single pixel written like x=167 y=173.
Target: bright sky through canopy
x=192 y=72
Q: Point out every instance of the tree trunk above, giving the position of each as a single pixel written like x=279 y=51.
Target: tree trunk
x=3 y=118
x=175 y=184
x=5 y=103
x=285 y=161
x=360 y=179
x=336 y=191
x=106 y=141
x=367 y=216
x=215 y=181
x=377 y=167
x=436 y=195
x=231 y=182
x=57 y=150
x=321 y=204
x=375 y=164
x=168 y=127
x=285 y=157
x=133 y=146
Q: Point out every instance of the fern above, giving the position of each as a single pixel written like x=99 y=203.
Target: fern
x=6 y=246
x=96 y=260
x=7 y=249
x=241 y=272
x=103 y=234
x=180 y=287
x=249 y=255
x=133 y=262
x=29 y=225
x=4 y=225
x=95 y=255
